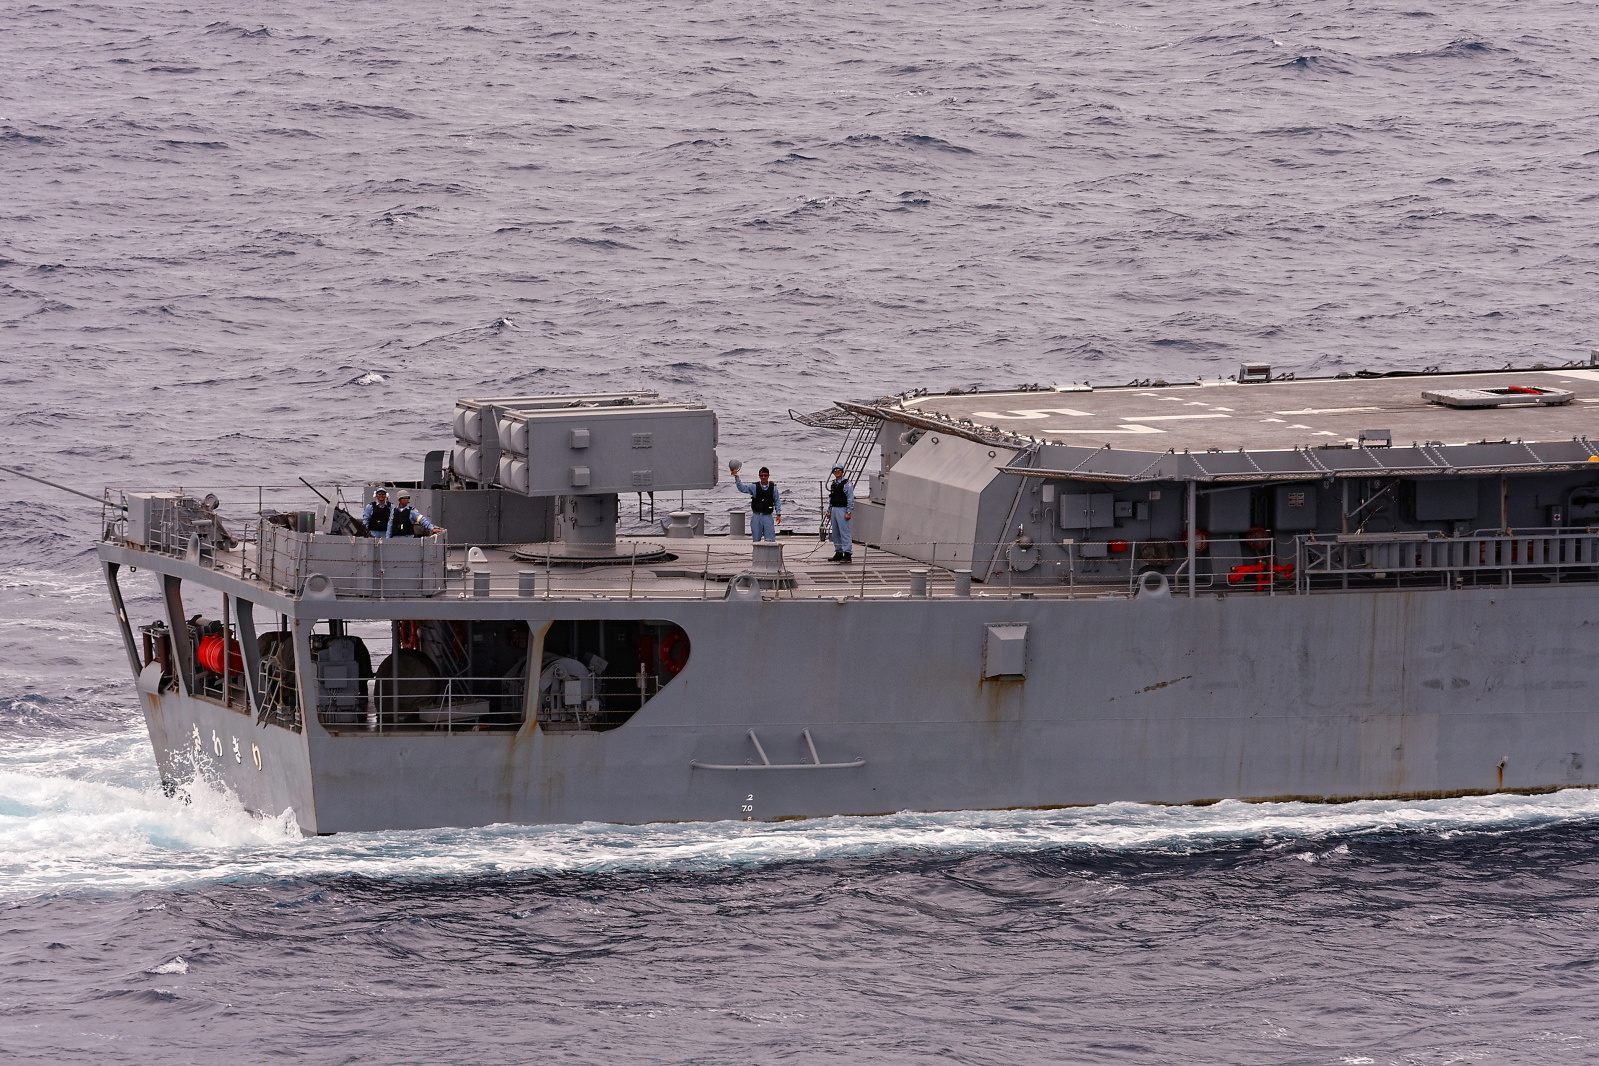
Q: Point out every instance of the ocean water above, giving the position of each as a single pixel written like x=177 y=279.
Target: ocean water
x=246 y=243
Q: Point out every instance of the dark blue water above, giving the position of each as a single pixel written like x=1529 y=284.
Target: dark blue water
x=242 y=243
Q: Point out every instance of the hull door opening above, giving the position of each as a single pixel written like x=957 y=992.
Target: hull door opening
x=598 y=674
x=421 y=675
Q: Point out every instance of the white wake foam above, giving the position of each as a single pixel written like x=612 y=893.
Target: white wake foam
x=86 y=814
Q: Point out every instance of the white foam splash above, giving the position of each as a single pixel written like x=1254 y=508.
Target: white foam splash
x=85 y=814
x=371 y=377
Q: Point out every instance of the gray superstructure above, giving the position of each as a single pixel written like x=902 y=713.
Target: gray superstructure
x=1322 y=589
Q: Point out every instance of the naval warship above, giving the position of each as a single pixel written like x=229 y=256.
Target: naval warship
x=1261 y=588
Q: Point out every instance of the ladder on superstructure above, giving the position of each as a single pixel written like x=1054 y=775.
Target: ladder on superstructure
x=860 y=437
x=856 y=450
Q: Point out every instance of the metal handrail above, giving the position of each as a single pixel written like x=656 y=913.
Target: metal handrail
x=379 y=712
x=1507 y=551
x=704 y=565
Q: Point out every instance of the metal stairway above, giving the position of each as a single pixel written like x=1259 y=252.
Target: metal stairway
x=860 y=437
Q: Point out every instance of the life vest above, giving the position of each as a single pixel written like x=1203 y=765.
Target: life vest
x=379 y=522
x=836 y=497
x=765 y=498
x=404 y=522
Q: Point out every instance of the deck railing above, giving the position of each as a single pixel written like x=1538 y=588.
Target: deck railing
x=463 y=704
x=412 y=704
x=1275 y=566
x=1384 y=554
x=702 y=568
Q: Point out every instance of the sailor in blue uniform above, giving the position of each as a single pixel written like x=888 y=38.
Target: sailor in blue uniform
x=766 y=506
x=407 y=520
x=840 y=504
x=378 y=514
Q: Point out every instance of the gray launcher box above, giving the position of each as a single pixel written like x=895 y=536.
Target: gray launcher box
x=596 y=450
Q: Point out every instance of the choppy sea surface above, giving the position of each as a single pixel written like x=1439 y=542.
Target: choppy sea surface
x=242 y=243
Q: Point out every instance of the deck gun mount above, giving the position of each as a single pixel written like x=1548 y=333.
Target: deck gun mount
x=584 y=450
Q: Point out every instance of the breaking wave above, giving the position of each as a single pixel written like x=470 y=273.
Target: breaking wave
x=61 y=832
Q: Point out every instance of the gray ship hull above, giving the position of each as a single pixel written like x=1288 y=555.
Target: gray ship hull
x=1155 y=699
x=1154 y=593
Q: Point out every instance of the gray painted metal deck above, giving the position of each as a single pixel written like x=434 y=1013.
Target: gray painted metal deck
x=1278 y=414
